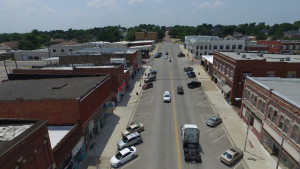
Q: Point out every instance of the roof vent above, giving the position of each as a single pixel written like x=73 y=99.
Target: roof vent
x=281 y=60
x=238 y=53
x=244 y=56
x=59 y=87
x=287 y=59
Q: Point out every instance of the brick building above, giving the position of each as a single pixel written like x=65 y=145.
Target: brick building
x=25 y=144
x=273 y=46
x=146 y=36
x=230 y=70
x=271 y=106
x=290 y=46
x=120 y=78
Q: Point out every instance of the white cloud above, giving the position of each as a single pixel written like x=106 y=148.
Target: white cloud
x=110 y=4
x=208 y=4
x=135 y=1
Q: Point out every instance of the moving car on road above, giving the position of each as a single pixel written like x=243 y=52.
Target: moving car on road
x=167 y=97
x=194 y=84
x=213 y=121
x=135 y=127
x=231 y=155
x=167 y=53
x=180 y=54
x=157 y=55
x=123 y=156
x=129 y=140
x=188 y=68
x=180 y=90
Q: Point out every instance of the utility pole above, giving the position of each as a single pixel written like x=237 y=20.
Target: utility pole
x=281 y=146
x=248 y=126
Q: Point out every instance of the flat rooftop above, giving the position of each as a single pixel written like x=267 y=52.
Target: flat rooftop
x=268 y=57
x=13 y=131
x=286 y=88
x=54 y=88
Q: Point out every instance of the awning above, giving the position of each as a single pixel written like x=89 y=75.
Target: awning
x=226 y=89
x=121 y=88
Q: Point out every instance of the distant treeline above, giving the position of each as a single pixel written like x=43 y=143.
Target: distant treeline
x=37 y=39
x=260 y=30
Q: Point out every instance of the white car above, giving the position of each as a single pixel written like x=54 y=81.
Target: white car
x=167 y=97
x=165 y=57
x=123 y=156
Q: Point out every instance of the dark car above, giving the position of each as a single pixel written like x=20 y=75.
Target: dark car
x=167 y=53
x=194 y=84
x=152 y=72
x=147 y=86
x=188 y=68
x=180 y=54
x=213 y=121
x=150 y=79
x=191 y=74
x=157 y=55
x=180 y=90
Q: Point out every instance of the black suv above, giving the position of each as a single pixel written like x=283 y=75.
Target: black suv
x=194 y=84
x=180 y=90
x=180 y=54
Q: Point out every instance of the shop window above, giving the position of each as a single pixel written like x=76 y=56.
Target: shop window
x=270 y=113
x=286 y=161
x=263 y=107
x=254 y=101
x=240 y=47
x=286 y=126
x=259 y=104
x=281 y=121
x=270 y=74
x=295 y=133
x=291 y=74
x=274 y=116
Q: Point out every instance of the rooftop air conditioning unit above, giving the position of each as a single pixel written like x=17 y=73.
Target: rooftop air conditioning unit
x=243 y=56
x=238 y=53
x=287 y=59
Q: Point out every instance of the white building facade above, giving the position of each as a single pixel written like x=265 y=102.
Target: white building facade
x=206 y=45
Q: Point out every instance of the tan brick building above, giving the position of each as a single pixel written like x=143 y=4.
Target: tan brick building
x=146 y=36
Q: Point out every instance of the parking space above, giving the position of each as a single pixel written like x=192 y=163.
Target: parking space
x=147 y=97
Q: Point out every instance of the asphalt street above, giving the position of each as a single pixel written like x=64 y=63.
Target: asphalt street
x=162 y=147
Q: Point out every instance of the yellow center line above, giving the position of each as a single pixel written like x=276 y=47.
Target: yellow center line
x=175 y=122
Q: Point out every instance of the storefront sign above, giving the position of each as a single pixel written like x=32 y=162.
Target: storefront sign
x=77 y=147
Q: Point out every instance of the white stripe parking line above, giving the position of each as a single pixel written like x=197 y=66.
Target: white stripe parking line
x=141 y=116
x=237 y=165
x=207 y=131
x=218 y=139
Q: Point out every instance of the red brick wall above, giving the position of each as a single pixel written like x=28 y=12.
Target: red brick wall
x=33 y=149
x=274 y=46
x=94 y=101
x=57 y=112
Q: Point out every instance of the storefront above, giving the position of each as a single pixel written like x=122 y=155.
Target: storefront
x=286 y=161
x=78 y=153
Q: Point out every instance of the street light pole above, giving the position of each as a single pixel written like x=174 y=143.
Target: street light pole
x=248 y=126
x=280 y=153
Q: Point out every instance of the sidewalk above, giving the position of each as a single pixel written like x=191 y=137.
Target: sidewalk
x=255 y=156
x=111 y=133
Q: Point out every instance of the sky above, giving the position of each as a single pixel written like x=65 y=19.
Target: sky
x=23 y=16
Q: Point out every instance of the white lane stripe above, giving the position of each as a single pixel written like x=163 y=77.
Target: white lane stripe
x=218 y=139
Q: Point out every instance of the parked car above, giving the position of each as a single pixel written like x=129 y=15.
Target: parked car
x=135 y=127
x=157 y=55
x=191 y=74
x=180 y=54
x=180 y=90
x=123 y=156
x=188 y=68
x=167 y=53
x=147 y=86
x=129 y=140
x=165 y=57
x=231 y=155
x=150 y=79
x=167 y=97
x=213 y=121
x=152 y=72
x=194 y=84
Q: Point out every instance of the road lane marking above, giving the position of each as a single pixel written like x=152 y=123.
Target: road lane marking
x=140 y=116
x=218 y=139
x=175 y=123
x=237 y=164
x=207 y=131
